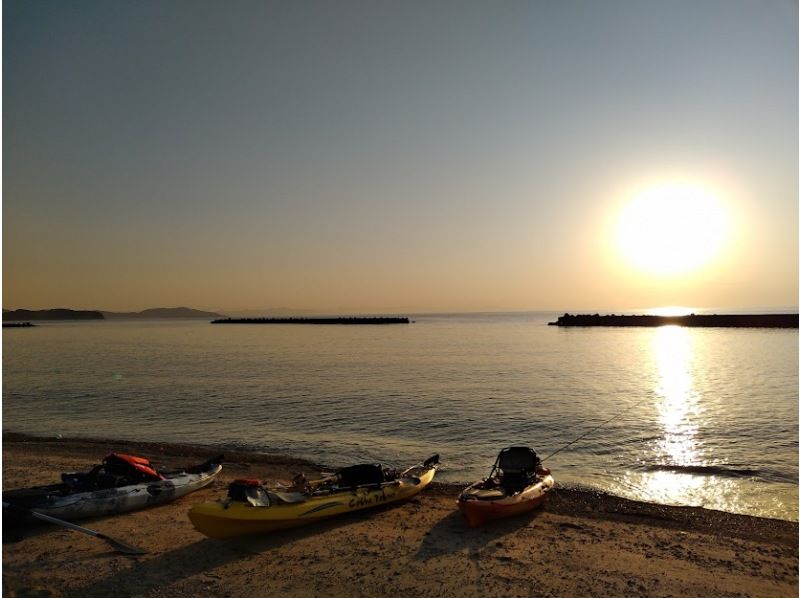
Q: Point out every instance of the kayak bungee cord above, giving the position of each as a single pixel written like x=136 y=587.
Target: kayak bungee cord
x=585 y=434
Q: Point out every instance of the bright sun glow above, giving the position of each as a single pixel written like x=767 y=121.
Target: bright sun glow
x=670 y=310
x=672 y=229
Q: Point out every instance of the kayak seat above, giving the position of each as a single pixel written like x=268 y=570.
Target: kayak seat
x=517 y=468
x=361 y=475
x=249 y=491
x=96 y=479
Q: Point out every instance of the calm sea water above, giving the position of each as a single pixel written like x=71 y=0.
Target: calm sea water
x=705 y=417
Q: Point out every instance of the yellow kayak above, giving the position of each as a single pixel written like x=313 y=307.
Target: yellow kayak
x=253 y=509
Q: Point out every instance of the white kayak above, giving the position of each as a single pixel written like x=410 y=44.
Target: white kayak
x=81 y=496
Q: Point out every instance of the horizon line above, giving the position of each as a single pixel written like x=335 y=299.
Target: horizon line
x=432 y=311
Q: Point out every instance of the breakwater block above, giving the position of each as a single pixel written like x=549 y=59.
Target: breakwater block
x=692 y=320
x=336 y=320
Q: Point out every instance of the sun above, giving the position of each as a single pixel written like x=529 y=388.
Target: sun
x=671 y=229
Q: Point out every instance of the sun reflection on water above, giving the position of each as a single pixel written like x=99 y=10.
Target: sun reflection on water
x=678 y=411
x=677 y=402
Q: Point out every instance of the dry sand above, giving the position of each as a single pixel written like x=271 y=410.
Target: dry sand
x=580 y=544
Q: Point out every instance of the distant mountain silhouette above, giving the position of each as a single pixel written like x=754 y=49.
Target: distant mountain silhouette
x=272 y=311
x=163 y=312
x=51 y=314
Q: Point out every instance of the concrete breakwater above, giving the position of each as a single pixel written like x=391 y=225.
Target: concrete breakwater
x=692 y=320
x=335 y=320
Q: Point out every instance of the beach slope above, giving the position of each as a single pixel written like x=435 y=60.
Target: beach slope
x=579 y=544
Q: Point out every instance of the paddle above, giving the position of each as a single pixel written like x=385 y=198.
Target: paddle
x=117 y=545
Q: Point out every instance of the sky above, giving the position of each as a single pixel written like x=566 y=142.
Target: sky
x=400 y=156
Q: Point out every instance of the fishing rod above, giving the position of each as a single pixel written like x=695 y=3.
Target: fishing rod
x=585 y=434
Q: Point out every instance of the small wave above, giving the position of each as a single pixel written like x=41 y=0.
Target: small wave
x=708 y=470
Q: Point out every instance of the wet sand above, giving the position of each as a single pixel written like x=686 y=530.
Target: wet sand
x=581 y=543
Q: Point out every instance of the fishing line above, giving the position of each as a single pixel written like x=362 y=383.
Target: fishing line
x=585 y=434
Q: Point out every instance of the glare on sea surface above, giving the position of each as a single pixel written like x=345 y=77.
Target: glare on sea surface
x=671 y=229
x=677 y=403
x=683 y=473
x=678 y=410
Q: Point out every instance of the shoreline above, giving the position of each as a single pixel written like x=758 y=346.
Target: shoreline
x=565 y=499
x=596 y=541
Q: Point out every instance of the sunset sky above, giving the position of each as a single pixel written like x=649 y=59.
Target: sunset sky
x=399 y=156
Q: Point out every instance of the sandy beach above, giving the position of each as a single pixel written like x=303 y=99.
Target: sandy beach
x=580 y=543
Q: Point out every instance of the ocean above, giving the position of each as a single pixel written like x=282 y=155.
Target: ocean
x=704 y=417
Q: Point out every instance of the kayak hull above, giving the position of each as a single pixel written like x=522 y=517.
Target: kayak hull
x=477 y=511
x=226 y=519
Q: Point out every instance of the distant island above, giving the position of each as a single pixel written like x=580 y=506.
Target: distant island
x=692 y=320
x=18 y=325
x=334 y=320
x=162 y=312
x=18 y=315
x=51 y=314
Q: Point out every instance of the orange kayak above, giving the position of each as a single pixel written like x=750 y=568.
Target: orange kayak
x=486 y=500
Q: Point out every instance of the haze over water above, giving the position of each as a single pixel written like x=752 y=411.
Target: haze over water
x=705 y=417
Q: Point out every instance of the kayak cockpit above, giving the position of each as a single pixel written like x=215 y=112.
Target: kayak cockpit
x=367 y=476
x=517 y=483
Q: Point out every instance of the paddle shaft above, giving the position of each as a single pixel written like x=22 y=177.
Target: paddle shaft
x=118 y=545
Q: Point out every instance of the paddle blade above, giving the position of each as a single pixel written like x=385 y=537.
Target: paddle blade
x=118 y=545
x=121 y=546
